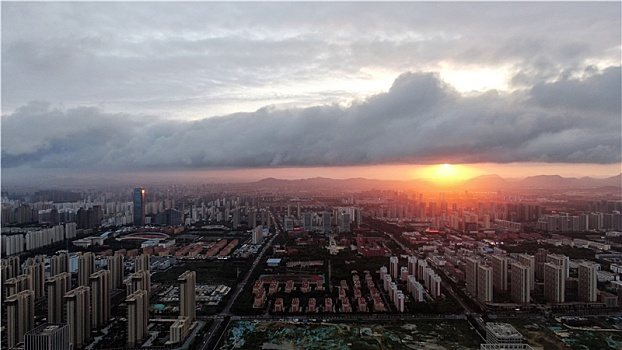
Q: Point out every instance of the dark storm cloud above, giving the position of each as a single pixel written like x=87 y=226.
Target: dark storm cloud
x=420 y=119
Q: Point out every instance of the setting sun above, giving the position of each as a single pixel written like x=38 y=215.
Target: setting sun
x=445 y=174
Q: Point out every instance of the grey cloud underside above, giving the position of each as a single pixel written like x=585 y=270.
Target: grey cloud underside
x=150 y=57
x=421 y=119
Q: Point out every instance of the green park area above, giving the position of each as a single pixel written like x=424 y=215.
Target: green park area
x=428 y=335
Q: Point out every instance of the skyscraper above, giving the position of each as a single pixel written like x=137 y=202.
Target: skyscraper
x=587 y=281
x=35 y=267
x=137 y=317
x=140 y=280
x=57 y=286
x=187 y=295
x=100 y=298
x=500 y=272
x=48 y=337
x=20 y=316
x=59 y=263
x=139 y=206
x=484 y=283
x=394 y=266
x=86 y=267
x=326 y=222
x=78 y=304
x=142 y=263
x=520 y=291
x=554 y=282
x=530 y=262
x=18 y=284
x=117 y=268
x=471 y=275
x=559 y=260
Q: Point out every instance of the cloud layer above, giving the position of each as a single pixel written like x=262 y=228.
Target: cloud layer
x=421 y=119
x=201 y=59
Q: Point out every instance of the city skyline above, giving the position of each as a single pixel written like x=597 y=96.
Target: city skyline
x=244 y=91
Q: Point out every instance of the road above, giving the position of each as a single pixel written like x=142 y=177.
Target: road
x=215 y=330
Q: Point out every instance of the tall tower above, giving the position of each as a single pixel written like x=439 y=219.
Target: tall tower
x=500 y=272
x=530 y=262
x=57 y=286
x=100 y=293
x=20 y=316
x=59 y=263
x=471 y=275
x=36 y=269
x=78 y=304
x=140 y=280
x=18 y=284
x=137 y=317
x=521 y=293
x=86 y=267
x=554 y=282
x=117 y=268
x=326 y=222
x=540 y=261
x=559 y=260
x=14 y=265
x=484 y=283
x=187 y=295
x=142 y=263
x=395 y=268
x=139 y=206
x=587 y=282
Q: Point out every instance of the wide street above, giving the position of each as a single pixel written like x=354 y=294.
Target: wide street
x=215 y=331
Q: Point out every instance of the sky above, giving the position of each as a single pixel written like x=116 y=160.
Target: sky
x=357 y=89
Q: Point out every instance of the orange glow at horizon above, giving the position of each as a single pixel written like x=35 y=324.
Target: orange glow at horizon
x=445 y=173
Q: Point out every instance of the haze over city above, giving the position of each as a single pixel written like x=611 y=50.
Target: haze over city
x=242 y=91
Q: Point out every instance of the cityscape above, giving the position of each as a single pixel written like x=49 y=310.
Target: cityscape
x=311 y=175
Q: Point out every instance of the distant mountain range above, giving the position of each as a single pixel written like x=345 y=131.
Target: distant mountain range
x=490 y=182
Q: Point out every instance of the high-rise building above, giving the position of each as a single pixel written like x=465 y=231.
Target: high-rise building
x=471 y=275
x=326 y=222
x=35 y=267
x=554 y=282
x=412 y=265
x=540 y=261
x=86 y=267
x=139 y=206
x=100 y=298
x=14 y=266
x=140 y=280
x=520 y=291
x=57 y=286
x=137 y=317
x=187 y=295
x=560 y=260
x=307 y=221
x=344 y=222
x=394 y=265
x=20 y=316
x=48 y=337
x=142 y=263
x=17 y=284
x=530 y=262
x=588 y=290
x=59 y=263
x=116 y=267
x=484 y=283
x=500 y=272
x=78 y=305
